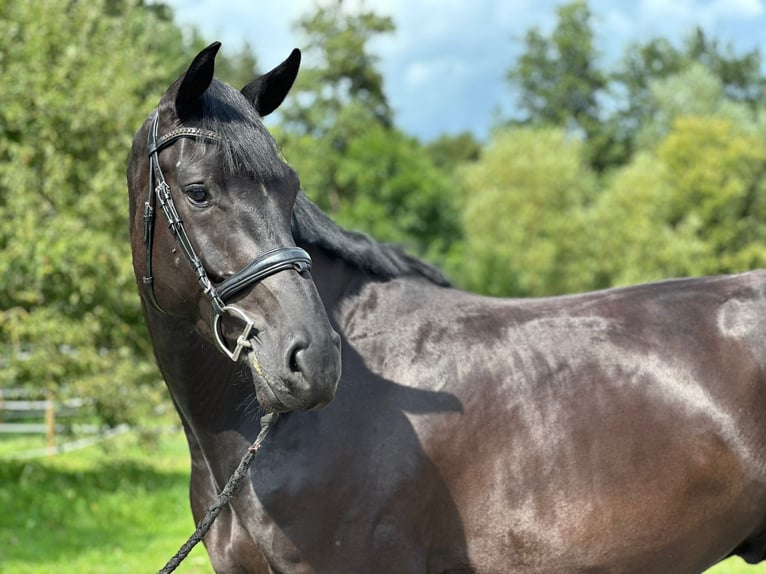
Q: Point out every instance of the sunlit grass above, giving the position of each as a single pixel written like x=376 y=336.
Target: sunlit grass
x=736 y=566
x=10 y=444
x=115 y=508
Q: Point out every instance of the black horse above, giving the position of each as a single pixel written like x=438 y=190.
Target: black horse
x=616 y=431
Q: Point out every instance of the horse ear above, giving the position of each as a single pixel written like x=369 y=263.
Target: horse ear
x=269 y=90
x=196 y=80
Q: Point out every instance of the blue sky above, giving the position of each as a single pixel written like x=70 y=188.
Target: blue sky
x=444 y=66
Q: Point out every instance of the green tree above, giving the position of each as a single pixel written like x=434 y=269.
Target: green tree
x=449 y=152
x=339 y=70
x=647 y=67
x=657 y=59
x=337 y=131
x=691 y=206
x=688 y=203
x=632 y=238
x=693 y=91
x=716 y=171
x=79 y=78
x=559 y=82
x=524 y=214
x=401 y=196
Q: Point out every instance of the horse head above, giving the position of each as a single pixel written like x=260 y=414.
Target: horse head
x=224 y=259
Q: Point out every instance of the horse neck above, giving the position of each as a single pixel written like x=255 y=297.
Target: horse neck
x=211 y=393
x=335 y=279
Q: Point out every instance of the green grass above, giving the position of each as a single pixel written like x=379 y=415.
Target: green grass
x=116 y=508
x=111 y=509
x=736 y=566
x=11 y=443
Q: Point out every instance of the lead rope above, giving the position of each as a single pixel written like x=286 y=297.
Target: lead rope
x=228 y=492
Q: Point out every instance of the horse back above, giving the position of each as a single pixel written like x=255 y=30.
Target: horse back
x=625 y=422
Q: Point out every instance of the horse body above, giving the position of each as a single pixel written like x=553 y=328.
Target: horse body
x=615 y=431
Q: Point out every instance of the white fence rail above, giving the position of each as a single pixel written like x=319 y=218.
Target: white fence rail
x=15 y=408
x=68 y=446
x=17 y=405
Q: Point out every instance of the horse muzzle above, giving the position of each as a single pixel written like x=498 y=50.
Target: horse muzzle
x=304 y=376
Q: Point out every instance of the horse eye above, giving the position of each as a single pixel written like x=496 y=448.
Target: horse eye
x=197 y=194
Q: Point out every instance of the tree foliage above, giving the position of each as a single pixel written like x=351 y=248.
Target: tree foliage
x=449 y=152
x=692 y=206
x=604 y=177
x=528 y=192
x=560 y=83
x=715 y=170
x=557 y=76
x=670 y=166
x=79 y=78
x=339 y=69
x=338 y=133
x=559 y=80
x=537 y=220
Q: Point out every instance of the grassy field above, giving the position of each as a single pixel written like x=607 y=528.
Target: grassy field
x=113 y=508
x=116 y=508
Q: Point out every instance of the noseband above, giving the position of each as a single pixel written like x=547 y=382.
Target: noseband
x=262 y=266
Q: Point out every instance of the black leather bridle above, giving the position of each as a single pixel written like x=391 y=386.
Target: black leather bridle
x=261 y=267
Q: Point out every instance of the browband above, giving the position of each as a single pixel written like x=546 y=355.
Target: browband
x=182 y=132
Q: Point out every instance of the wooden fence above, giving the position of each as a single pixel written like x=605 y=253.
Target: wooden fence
x=24 y=411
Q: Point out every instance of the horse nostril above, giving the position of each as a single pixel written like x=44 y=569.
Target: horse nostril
x=294 y=356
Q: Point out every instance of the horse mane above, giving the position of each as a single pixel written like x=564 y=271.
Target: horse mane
x=249 y=147
x=310 y=225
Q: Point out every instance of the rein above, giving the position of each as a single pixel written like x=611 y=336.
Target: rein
x=228 y=492
x=266 y=264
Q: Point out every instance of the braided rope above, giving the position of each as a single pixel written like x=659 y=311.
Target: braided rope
x=228 y=492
